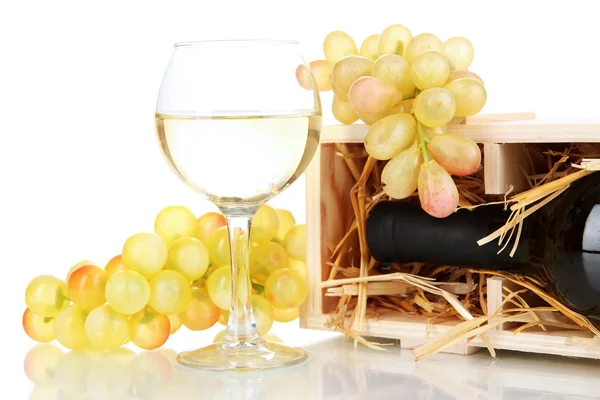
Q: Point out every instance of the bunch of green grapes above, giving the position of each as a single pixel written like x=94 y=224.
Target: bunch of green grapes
x=407 y=89
x=177 y=275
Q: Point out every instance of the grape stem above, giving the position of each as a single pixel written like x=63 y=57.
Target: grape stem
x=423 y=142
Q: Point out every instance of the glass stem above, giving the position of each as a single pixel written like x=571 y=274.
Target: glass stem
x=241 y=326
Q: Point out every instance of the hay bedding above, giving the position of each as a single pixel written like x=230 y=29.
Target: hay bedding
x=439 y=293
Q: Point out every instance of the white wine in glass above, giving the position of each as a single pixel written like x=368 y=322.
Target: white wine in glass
x=236 y=127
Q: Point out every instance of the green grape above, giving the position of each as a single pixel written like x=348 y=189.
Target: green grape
x=286 y=221
x=218 y=247
x=469 y=94
x=76 y=266
x=295 y=242
x=394 y=69
x=175 y=321
x=149 y=329
x=370 y=47
x=175 y=222
x=37 y=327
x=297 y=265
x=346 y=71
x=266 y=258
x=218 y=285
x=263 y=313
x=127 y=292
x=287 y=315
x=458 y=155
x=46 y=295
x=145 y=253
x=370 y=95
x=286 y=288
x=170 y=292
x=431 y=132
x=430 y=70
x=190 y=257
x=459 y=52
x=201 y=312
x=394 y=39
x=321 y=72
x=400 y=174
x=69 y=327
x=224 y=317
x=370 y=119
x=106 y=328
x=114 y=265
x=207 y=224
x=454 y=75
x=343 y=111
x=86 y=286
x=437 y=191
x=40 y=363
x=265 y=225
x=387 y=137
x=422 y=43
x=337 y=45
x=434 y=107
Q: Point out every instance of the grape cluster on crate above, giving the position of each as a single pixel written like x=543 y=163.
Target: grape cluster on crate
x=408 y=89
x=180 y=274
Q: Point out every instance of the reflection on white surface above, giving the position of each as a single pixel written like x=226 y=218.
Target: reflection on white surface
x=334 y=372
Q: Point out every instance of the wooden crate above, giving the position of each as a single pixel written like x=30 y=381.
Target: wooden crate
x=329 y=213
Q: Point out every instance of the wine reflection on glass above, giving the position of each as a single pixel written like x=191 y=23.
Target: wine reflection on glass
x=236 y=127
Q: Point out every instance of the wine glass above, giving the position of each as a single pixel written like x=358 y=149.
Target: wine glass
x=236 y=127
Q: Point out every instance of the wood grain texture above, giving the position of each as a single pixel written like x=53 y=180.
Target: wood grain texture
x=504 y=166
x=313 y=238
x=336 y=214
x=491 y=132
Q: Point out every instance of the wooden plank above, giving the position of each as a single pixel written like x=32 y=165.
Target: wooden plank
x=313 y=234
x=494 y=294
x=503 y=167
x=336 y=214
x=562 y=343
x=412 y=331
x=487 y=133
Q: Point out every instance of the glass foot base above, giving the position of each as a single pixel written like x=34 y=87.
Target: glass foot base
x=242 y=357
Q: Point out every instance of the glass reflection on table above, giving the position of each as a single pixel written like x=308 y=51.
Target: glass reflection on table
x=334 y=372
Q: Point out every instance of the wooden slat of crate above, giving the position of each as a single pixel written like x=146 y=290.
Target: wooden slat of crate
x=505 y=132
x=329 y=213
x=412 y=331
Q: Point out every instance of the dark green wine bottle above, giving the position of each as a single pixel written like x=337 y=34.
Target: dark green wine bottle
x=559 y=243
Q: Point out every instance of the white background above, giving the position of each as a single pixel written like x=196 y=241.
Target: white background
x=80 y=168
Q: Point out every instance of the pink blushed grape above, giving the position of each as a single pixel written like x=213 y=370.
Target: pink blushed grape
x=437 y=191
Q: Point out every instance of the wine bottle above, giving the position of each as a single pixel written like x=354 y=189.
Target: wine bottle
x=559 y=243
